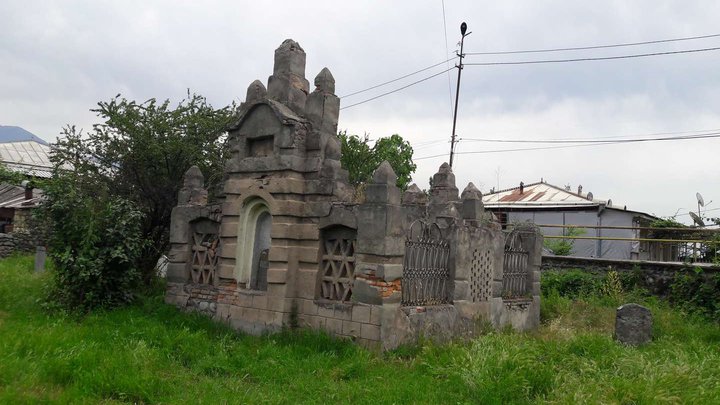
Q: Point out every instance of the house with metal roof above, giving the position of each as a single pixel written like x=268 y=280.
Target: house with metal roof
x=25 y=153
x=556 y=209
x=30 y=158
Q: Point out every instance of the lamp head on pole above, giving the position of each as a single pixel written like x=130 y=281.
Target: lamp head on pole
x=463 y=28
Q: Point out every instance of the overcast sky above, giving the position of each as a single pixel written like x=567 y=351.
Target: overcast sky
x=59 y=58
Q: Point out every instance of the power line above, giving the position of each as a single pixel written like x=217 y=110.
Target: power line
x=596 y=140
x=399 y=78
x=704 y=211
x=581 y=48
x=398 y=89
x=640 y=55
x=596 y=143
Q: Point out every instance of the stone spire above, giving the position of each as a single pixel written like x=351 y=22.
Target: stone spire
x=325 y=81
x=192 y=191
x=443 y=186
x=384 y=174
x=471 y=193
x=414 y=196
x=472 y=205
x=382 y=188
x=287 y=83
x=322 y=109
x=255 y=92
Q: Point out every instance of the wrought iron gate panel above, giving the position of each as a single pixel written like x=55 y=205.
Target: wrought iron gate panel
x=515 y=268
x=426 y=277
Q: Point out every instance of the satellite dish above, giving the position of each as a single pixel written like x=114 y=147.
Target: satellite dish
x=590 y=196
x=609 y=203
x=701 y=202
x=696 y=218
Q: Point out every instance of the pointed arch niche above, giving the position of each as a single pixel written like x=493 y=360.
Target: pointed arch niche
x=253 y=244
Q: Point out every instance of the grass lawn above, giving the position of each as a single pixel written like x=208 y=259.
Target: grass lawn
x=152 y=353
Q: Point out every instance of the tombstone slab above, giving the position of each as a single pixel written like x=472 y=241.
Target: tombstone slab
x=633 y=325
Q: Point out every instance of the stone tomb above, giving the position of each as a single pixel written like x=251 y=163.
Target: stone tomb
x=287 y=245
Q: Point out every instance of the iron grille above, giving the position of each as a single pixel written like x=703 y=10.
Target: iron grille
x=515 y=268
x=426 y=277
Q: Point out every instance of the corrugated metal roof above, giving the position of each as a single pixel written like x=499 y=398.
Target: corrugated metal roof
x=538 y=195
x=27 y=157
x=14 y=197
x=547 y=196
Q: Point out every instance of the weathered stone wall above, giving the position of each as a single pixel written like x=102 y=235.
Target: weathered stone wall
x=17 y=242
x=655 y=276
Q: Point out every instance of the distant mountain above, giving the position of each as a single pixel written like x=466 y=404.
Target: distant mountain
x=17 y=134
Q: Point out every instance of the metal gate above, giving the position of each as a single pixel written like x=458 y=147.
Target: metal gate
x=426 y=278
x=515 y=268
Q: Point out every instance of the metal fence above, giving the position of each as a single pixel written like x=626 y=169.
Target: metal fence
x=426 y=277
x=691 y=244
x=515 y=267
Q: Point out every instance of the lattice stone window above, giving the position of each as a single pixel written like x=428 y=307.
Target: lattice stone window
x=337 y=263
x=205 y=251
x=481 y=271
x=515 y=267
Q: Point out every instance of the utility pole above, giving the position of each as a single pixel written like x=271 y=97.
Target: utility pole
x=453 y=141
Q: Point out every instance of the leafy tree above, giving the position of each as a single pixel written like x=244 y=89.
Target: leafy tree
x=10 y=176
x=361 y=160
x=139 y=153
x=95 y=244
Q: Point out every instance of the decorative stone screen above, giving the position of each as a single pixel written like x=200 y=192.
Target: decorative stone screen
x=426 y=278
x=481 y=275
x=337 y=263
x=515 y=268
x=204 y=251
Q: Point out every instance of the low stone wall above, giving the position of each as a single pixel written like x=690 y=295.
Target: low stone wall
x=11 y=243
x=655 y=276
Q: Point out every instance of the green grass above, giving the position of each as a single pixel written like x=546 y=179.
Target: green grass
x=151 y=353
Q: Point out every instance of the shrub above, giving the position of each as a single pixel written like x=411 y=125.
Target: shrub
x=563 y=247
x=570 y=284
x=95 y=244
x=612 y=286
x=695 y=291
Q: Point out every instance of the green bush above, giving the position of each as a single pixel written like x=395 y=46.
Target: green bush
x=95 y=244
x=563 y=247
x=570 y=284
x=695 y=291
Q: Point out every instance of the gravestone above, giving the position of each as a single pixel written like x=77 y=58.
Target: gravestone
x=633 y=325
x=40 y=256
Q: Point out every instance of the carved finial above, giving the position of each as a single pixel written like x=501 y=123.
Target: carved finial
x=384 y=174
x=289 y=58
x=192 y=191
x=471 y=193
x=255 y=92
x=413 y=195
x=325 y=81
x=444 y=177
x=193 y=178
